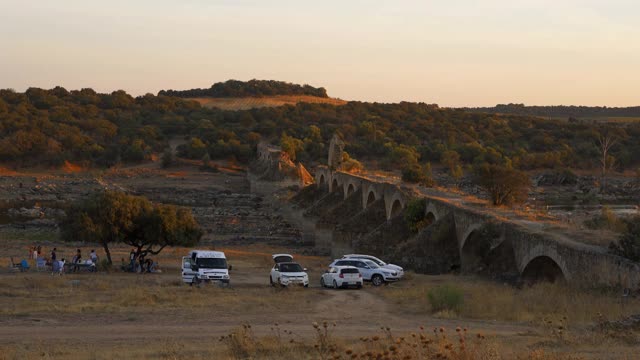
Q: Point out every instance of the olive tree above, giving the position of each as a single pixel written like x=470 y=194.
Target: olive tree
x=109 y=217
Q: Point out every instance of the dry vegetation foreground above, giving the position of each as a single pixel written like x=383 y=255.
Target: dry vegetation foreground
x=107 y=315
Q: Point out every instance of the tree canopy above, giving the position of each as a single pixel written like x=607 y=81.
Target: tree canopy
x=505 y=186
x=48 y=127
x=251 y=88
x=109 y=217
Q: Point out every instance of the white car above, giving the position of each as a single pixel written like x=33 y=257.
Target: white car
x=341 y=277
x=286 y=272
x=370 y=270
x=380 y=263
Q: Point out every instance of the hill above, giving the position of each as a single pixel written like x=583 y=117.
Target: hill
x=49 y=127
x=246 y=103
x=251 y=88
x=598 y=113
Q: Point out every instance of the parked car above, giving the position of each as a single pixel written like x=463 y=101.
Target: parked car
x=286 y=272
x=380 y=263
x=341 y=277
x=205 y=266
x=370 y=270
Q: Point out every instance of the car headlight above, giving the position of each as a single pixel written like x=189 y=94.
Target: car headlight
x=225 y=276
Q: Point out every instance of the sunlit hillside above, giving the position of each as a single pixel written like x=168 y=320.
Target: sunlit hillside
x=246 y=103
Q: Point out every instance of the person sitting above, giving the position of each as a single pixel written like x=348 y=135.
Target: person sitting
x=124 y=266
x=91 y=265
x=24 y=265
x=155 y=268
x=61 y=263
x=94 y=257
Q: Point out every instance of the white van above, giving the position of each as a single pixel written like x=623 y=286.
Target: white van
x=205 y=266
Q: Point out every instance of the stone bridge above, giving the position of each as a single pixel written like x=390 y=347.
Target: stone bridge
x=479 y=241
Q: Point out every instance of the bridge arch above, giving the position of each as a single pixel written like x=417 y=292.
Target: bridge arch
x=547 y=263
x=473 y=251
x=350 y=190
x=396 y=209
x=322 y=180
x=335 y=186
x=543 y=268
x=394 y=204
x=371 y=197
x=467 y=234
x=485 y=249
x=431 y=209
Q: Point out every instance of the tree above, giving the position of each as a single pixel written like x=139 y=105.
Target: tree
x=418 y=174
x=414 y=214
x=291 y=145
x=607 y=161
x=505 y=185
x=167 y=158
x=628 y=244
x=114 y=217
x=451 y=159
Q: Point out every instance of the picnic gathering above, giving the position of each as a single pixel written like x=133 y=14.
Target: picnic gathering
x=57 y=264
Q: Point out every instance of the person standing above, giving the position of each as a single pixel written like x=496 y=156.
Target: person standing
x=54 y=260
x=141 y=261
x=34 y=255
x=132 y=260
x=76 y=260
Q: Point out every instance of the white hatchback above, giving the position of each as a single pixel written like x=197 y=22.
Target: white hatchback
x=342 y=277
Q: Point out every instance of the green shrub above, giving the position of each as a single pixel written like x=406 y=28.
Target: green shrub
x=607 y=220
x=418 y=174
x=414 y=214
x=445 y=297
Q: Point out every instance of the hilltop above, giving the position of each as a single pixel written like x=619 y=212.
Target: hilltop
x=251 y=88
x=247 y=103
x=597 y=113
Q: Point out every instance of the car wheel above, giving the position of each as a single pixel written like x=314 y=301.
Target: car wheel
x=377 y=280
x=335 y=284
x=322 y=283
x=360 y=286
x=270 y=281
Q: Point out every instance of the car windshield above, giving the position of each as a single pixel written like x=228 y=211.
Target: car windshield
x=290 y=268
x=349 y=271
x=377 y=261
x=212 y=263
x=371 y=264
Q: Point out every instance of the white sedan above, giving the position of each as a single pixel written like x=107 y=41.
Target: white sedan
x=341 y=277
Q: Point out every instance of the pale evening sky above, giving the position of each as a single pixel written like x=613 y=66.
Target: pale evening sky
x=454 y=52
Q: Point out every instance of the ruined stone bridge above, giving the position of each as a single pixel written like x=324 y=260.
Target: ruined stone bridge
x=366 y=215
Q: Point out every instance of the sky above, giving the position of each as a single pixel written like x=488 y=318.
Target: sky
x=453 y=53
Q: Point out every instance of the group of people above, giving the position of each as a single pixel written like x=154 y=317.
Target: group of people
x=58 y=264
x=138 y=262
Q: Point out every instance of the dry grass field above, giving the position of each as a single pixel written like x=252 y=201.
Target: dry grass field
x=148 y=316
x=267 y=101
